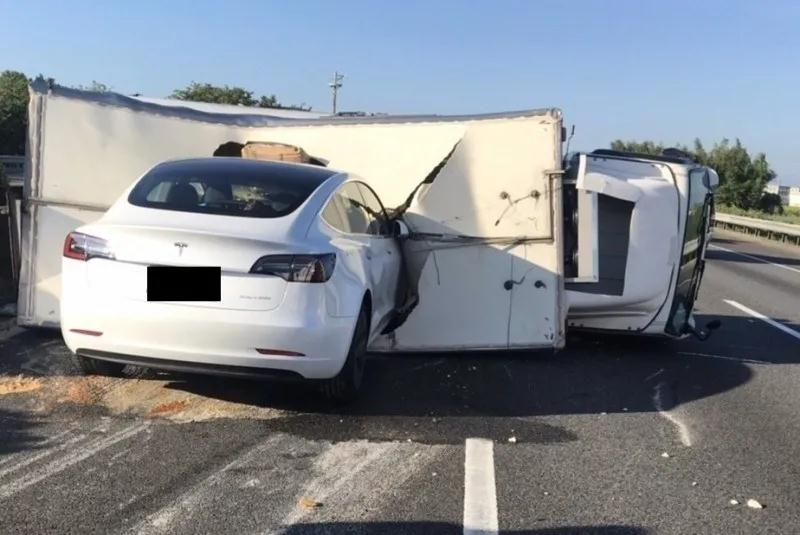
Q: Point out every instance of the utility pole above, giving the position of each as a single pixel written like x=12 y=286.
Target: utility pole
x=335 y=84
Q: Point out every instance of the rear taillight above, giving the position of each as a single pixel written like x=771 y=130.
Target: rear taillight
x=83 y=247
x=297 y=268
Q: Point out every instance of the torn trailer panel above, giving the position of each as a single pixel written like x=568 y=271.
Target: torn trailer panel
x=481 y=195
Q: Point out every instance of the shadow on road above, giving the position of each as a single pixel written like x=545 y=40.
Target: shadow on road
x=402 y=528
x=447 y=398
x=444 y=398
x=17 y=432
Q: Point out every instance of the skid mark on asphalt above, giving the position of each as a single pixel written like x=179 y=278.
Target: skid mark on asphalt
x=351 y=477
x=664 y=405
x=721 y=357
x=19 y=455
x=204 y=494
x=480 y=491
x=654 y=374
x=80 y=452
x=41 y=455
x=286 y=481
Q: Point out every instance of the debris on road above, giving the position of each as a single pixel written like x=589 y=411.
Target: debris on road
x=18 y=384
x=168 y=407
x=665 y=455
x=309 y=503
x=754 y=504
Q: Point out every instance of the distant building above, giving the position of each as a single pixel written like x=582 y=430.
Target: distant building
x=793 y=197
x=783 y=191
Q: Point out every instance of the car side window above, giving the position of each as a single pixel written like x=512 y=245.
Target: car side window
x=356 y=215
x=378 y=223
x=332 y=214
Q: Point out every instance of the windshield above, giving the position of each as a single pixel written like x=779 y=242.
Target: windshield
x=227 y=187
x=700 y=203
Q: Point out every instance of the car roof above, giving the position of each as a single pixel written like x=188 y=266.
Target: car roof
x=313 y=174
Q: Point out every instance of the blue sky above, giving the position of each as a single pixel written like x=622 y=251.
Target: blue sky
x=669 y=71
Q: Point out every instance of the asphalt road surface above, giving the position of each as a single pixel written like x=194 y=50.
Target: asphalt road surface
x=612 y=435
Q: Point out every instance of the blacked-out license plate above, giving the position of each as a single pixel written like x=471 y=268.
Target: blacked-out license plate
x=177 y=283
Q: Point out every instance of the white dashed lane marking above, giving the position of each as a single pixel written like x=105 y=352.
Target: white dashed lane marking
x=480 y=493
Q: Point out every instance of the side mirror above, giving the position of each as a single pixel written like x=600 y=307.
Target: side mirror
x=712 y=179
x=400 y=229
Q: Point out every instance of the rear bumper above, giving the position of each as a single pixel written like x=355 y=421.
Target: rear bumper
x=207 y=340
x=191 y=367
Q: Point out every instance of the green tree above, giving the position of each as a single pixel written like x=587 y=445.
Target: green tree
x=97 y=87
x=13 y=112
x=225 y=94
x=198 y=92
x=642 y=147
x=268 y=102
x=742 y=177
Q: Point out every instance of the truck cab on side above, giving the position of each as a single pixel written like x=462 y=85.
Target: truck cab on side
x=636 y=228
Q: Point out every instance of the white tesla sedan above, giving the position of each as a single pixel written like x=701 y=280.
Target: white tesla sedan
x=235 y=267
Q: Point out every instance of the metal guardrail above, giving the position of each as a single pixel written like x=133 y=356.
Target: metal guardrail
x=773 y=230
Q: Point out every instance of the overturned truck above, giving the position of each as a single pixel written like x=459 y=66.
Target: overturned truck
x=509 y=243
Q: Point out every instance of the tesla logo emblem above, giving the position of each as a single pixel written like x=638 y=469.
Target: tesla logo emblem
x=181 y=246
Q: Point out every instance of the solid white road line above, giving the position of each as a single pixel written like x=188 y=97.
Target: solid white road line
x=762 y=317
x=658 y=401
x=62 y=463
x=751 y=257
x=480 y=494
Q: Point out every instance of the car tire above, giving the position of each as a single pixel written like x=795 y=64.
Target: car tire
x=90 y=366
x=344 y=387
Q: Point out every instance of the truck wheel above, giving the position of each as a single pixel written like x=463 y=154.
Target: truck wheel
x=345 y=386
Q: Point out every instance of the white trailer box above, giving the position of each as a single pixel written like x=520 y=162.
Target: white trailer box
x=483 y=200
x=505 y=236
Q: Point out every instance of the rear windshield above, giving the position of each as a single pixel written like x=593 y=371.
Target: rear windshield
x=243 y=189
